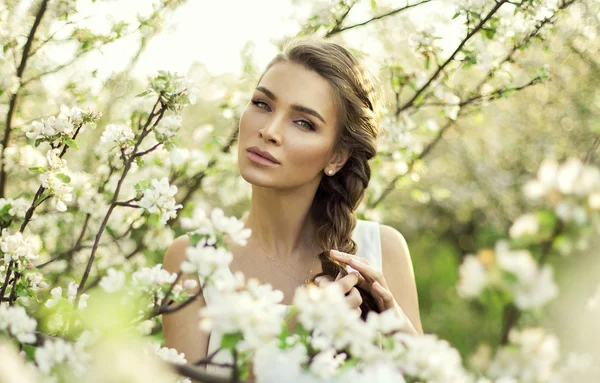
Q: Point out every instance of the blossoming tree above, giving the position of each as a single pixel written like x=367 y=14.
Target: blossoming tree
x=81 y=284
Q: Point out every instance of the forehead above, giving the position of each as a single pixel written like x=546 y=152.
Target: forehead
x=292 y=83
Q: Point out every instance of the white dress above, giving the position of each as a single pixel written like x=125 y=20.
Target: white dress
x=367 y=238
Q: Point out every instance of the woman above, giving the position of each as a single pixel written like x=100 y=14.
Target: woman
x=304 y=142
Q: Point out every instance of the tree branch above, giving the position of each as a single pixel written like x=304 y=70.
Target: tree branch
x=410 y=102
x=339 y=29
x=15 y=97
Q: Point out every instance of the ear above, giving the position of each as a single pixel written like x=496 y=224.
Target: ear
x=338 y=159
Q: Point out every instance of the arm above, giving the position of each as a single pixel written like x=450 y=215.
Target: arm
x=180 y=329
x=398 y=272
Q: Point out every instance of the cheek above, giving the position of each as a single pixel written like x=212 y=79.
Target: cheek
x=308 y=152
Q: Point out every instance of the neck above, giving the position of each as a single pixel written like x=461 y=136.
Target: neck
x=280 y=220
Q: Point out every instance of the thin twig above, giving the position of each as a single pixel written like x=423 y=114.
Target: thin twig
x=483 y=21
x=391 y=13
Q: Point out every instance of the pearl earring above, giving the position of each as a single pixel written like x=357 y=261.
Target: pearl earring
x=330 y=172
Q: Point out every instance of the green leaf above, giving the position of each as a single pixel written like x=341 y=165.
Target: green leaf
x=145 y=93
x=195 y=238
x=71 y=143
x=63 y=177
x=142 y=185
x=229 y=341
x=154 y=220
x=37 y=169
x=455 y=15
x=373 y=4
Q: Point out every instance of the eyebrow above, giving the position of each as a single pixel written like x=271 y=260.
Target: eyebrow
x=296 y=107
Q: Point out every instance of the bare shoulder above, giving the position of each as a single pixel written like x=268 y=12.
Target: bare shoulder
x=175 y=254
x=391 y=239
x=399 y=273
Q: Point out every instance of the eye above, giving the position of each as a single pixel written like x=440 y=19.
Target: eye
x=306 y=124
x=261 y=104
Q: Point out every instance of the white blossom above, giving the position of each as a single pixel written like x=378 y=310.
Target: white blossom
x=113 y=281
x=535 y=285
x=531 y=356
x=160 y=198
x=431 y=359
x=17 y=323
x=118 y=134
x=168 y=128
x=18 y=207
x=57 y=295
x=55 y=352
x=17 y=248
x=525 y=225
x=472 y=277
x=204 y=260
x=255 y=311
x=325 y=364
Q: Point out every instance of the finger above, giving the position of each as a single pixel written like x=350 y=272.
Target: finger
x=348 y=282
x=385 y=295
x=339 y=276
x=354 y=298
x=367 y=271
x=350 y=270
x=345 y=257
x=323 y=279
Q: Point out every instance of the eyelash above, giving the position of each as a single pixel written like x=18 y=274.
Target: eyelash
x=309 y=125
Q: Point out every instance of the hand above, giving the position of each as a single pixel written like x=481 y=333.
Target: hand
x=347 y=283
x=374 y=281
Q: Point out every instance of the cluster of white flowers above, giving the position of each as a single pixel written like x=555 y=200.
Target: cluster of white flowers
x=423 y=41
x=57 y=352
x=217 y=224
x=174 y=90
x=160 y=198
x=431 y=359
x=117 y=134
x=18 y=207
x=567 y=187
x=531 y=356
x=113 y=281
x=472 y=277
x=56 y=295
x=535 y=284
x=171 y=355
x=252 y=309
x=204 y=260
x=325 y=312
x=167 y=128
x=452 y=102
x=532 y=286
x=56 y=181
x=17 y=248
x=17 y=323
x=64 y=124
x=527 y=225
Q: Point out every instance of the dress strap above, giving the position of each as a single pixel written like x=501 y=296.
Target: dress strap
x=367 y=237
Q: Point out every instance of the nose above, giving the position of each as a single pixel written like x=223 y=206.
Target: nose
x=272 y=131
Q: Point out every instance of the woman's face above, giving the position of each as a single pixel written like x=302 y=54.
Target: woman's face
x=291 y=116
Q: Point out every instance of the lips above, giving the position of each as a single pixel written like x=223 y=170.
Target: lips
x=263 y=154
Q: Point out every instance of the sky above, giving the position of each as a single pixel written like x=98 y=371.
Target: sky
x=209 y=32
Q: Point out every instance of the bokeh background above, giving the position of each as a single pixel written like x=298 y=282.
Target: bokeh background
x=456 y=200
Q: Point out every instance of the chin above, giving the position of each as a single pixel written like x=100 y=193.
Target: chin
x=254 y=177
